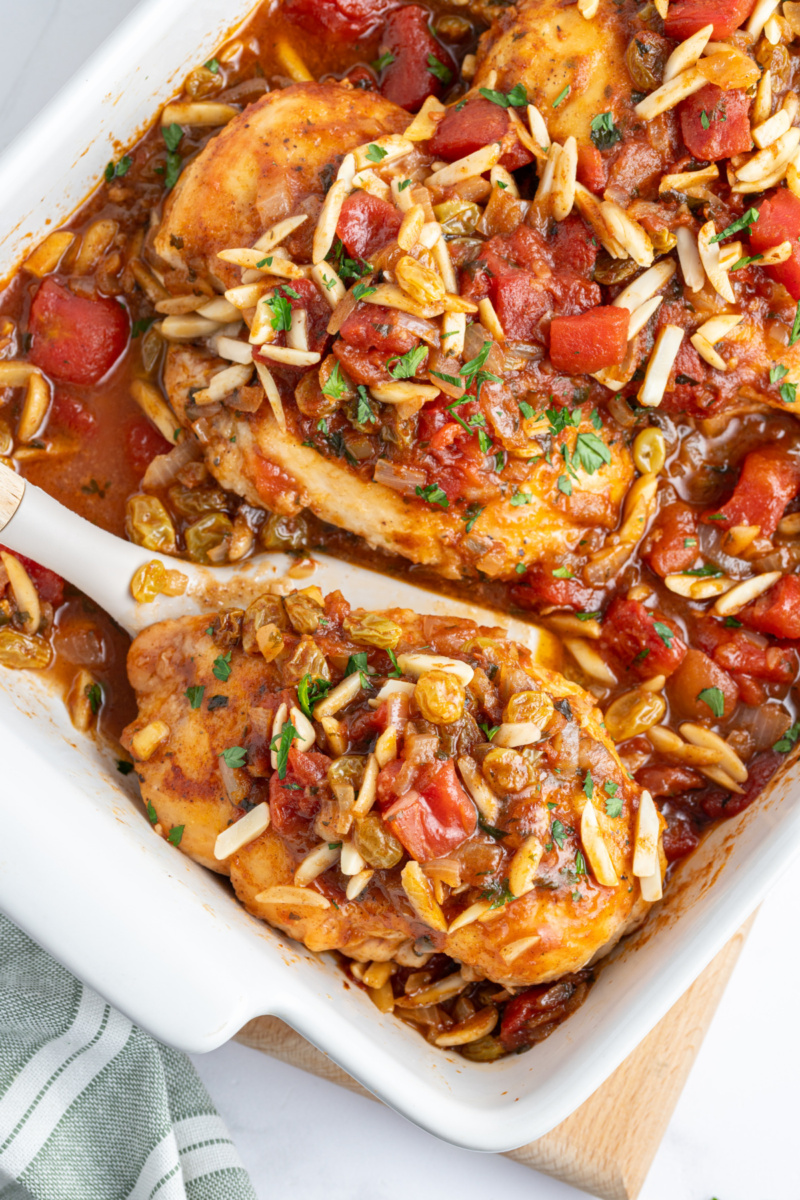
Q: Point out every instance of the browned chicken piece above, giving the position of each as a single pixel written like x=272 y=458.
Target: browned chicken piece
x=548 y=47
x=387 y=815
x=278 y=158
x=251 y=455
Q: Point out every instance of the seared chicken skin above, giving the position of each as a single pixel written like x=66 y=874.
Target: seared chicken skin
x=388 y=814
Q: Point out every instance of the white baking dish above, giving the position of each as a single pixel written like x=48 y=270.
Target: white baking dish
x=162 y=938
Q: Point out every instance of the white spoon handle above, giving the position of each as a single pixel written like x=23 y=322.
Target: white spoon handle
x=102 y=565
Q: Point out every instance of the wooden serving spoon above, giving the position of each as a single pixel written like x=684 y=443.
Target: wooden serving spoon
x=103 y=566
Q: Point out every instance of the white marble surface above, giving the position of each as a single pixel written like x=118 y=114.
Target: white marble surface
x=733 y=1135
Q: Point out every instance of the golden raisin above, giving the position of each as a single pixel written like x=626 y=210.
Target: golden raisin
x=153 y=579
x=507 y=770
x=372 y=629
x=530 y=706
x=20 y=650
x=304 y=612
x=440 y=697
x=375 y=842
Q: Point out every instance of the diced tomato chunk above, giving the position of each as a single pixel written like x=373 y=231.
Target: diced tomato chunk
x=521 y=301
x=345 y=20
x=739 y=655
x=49 y=585
x=680 y=836
x=436 y=816
x=668 y=781
x=543 y=589
x=777 y=612
x=530 y=1015
x=591 y=168
x=574 y=246
x=477 y=124
x=715 y=124
x=366 y=224
x=367 y=367
x=76 y=339
x=72 y=414
x=760 y=770
x=672 y=544
x=641 y=641
x=408 y=79
x=686 y=17
x=295 y=799
x=373 y=327
x=144 y=443
x=698 y=673
x=779 y=221
x=586 y=343
x=769 y=479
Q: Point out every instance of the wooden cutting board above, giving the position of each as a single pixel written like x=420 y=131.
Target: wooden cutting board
x=607 y=1146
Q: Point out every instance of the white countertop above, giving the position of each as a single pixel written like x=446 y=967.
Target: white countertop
x=733 y=1133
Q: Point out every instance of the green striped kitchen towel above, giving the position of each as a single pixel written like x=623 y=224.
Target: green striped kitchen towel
x=91 y=1107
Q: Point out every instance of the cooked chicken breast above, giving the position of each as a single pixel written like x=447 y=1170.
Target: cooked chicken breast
x=275 y=159
x=250 y=454
x=394 y=779
x=548 y=47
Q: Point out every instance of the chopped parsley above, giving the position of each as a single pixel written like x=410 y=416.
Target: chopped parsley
x=281 y=311
x=310 y=690
x=117 y=170
x=564 y=484
x=124 y=767
x=744 y=222
x=195 y=695
x=788 y=392
x=473 y=371
x=362 y=290
x=433 y=494
x=745 y=261
x=558 y=833
x=520 y=498
x=492 y=830
x=335 y=386
x=401 y=187
x=563 y=573
x=395 y=672
x=212 y=65
x=604 y=133
x=217 y=702
x=580 y=864
x=613 y=801
x=588 y=786
x=406 y=365
x=591 y=452
x=152 y=815
x=785 y=744
x=358 y=662
x=714 y=698
x=439 y=70
x=365 y=414
x=94 y=694
x=795 y=334
x=707 y=571
x=562 y=95
x=141 y=326
x=516 y=98
x=375 y=153
x=470 y=516
x=222 y=667
x=281 y=744
x=384 y=61
x=234 y=756
x=664 y=632
x=587 y=616
x=172 y=135
x=777 y=372
x=732 y=623
x=175 y=834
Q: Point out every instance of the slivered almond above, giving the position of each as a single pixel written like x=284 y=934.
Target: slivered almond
x=728 y=760
x=393 y=145
x=289 y=356
x=198 y=113
x=419 y=892
x=292 y=897
x=26 y=597
x=271 y=391
x=596 y=850
x=538 y=127
x=689 y=258
x=516 y=733
x=485 y=799
x=698 y=589
x=358 y=882
x=707 y=352
x=685 y=179
x=645 y=286
x=416 y=665
x=279 y=232
x=648 y=829
x=403 y=391
x=744 y=593
x=715 y=329
x=471 y=914
x=514 y=950
x=670 y=94
x=426 y=121
x=268 y=264
x=687 y=53
x=328 y=283
x=242 y=832
x=524 y=865
x=564 y=176
x=628 y=232
x=223 y=383
x=368 y=790
x=476 y=163
x=338 y=697
x=590 y=661
x=659 y=365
